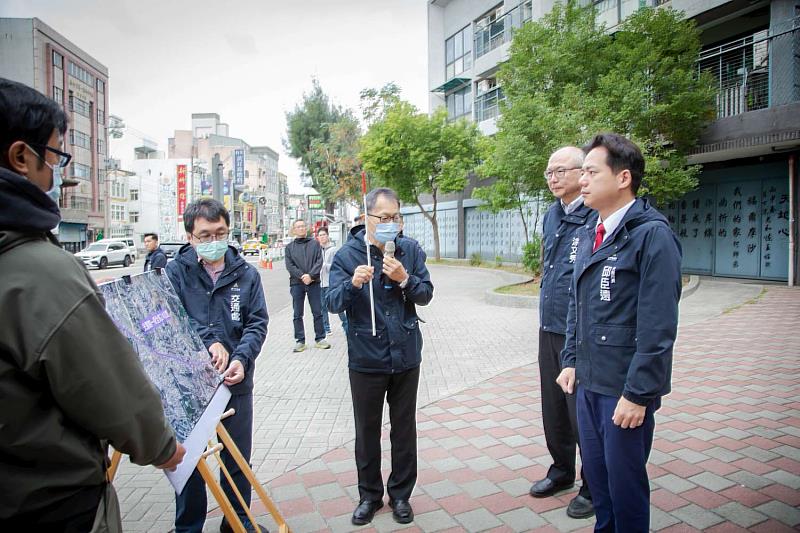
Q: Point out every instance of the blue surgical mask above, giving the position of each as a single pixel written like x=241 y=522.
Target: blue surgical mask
x=212 y=251
x=55 y=191
x=58 y=177
x=386 y=232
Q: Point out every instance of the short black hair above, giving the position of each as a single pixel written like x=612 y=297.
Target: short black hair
x=207 y=208
x=374 y=194
x=27 y=115
x=154 y=236
x=623 y=154
x=323 y=229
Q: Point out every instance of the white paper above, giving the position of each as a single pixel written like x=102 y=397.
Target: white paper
x=198 y=438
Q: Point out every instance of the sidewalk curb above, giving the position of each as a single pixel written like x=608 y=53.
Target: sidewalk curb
x=511 y=300
x=691 y=287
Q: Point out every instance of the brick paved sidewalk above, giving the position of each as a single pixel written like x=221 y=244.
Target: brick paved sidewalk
x=726 y=455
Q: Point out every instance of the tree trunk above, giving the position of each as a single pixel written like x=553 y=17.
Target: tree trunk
x=521 y=208
x=434 y=220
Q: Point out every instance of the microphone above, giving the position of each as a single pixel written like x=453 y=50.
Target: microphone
x=388 y=251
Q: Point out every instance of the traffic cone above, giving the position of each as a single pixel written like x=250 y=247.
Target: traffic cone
x=270 y=264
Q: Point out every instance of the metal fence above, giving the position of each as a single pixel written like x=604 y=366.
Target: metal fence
x=745 y=69
x=501 y=30
x=487 y=105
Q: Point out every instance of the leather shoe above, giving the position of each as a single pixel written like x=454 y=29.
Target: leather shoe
x=547 y=487
x=580 y=507
x=401 y=511
x=365 y=511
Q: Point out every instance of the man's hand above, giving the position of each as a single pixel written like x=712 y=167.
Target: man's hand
x=628 y=414
x=306 y=279
x=362 y=275
x=566 y=379
x=175 y=460
x=234 y=374
x=219 y=356
x=394 y=269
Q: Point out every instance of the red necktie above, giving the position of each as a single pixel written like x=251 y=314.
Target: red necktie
x=598 y=238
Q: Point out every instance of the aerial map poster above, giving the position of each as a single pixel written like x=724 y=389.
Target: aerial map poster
x=146 y=309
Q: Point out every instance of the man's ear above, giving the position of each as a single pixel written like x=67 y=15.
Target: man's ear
x=17 y=158
x=624 y=179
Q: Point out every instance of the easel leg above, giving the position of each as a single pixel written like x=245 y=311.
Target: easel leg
x=227 y=441
x=219 y=495
x=116 y=457
x=235 y=489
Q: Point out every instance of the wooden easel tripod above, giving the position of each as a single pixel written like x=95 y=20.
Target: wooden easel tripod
x=224 y=441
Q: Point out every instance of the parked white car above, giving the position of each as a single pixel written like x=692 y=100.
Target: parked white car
x=134 y=253
x=102 y=254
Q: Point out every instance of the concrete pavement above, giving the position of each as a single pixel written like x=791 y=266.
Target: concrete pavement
x=727 y=446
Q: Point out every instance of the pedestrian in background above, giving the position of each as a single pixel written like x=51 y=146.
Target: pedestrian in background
x=304 y=263
x=328 y=251
x=156 y=258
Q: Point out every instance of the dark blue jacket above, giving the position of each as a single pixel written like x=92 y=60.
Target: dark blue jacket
x=155 y=259
x=561 y=242
x=397 y=347
x=232 y=312
x=623 y=318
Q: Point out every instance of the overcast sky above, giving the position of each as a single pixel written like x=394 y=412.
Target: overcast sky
x=248 y=60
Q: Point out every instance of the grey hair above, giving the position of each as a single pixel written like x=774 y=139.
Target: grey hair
x=374 y=194
x=577 y=154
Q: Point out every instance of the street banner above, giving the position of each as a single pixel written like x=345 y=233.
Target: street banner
x=146 y=309
x=238 y=166
x=181 y=171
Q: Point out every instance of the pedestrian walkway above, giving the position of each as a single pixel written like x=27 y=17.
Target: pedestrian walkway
x=726 y=456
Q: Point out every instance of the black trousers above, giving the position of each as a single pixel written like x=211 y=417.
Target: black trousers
x=400 y=391
x=558 y=412
x=298 y=293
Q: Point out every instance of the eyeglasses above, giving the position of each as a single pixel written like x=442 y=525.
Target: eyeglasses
x=63 y=157
x=386 y=218
x=559 y=173
x=211 y=238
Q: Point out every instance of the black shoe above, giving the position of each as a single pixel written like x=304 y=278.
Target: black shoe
x=547 y=487
x=580 y=507
x=225 y=527
x=401 y=511
x=365 y=511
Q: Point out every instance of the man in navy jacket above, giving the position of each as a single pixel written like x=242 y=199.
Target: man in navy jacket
x=566 y=216
x=387 y=363
x=225 y=302
x=621 y=327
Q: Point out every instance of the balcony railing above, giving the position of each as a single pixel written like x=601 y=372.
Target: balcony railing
x=501 y=30
x=487 y=105
x=744 y=69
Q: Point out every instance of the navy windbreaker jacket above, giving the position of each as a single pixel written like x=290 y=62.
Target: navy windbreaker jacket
x=623 y=317
x=561 y=241
x=155 y=259
x=232 y=312
x=397 y=347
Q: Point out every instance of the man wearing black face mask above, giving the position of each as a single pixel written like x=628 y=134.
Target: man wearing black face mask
x=70 y=382
x=387 y=363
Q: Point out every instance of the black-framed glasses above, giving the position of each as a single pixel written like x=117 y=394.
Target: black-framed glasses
x=63 y=157
x=205 y=239
x=385 y=219
x=558 y=173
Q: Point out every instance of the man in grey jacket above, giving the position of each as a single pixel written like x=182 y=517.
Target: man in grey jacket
x=70 y=382
x=304 y=263
x=328 y=252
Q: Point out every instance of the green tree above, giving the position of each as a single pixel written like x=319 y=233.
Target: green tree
x=416 y=154
x=337 y=159
x=376 y=102
x=567 y=79
x=309 y=124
